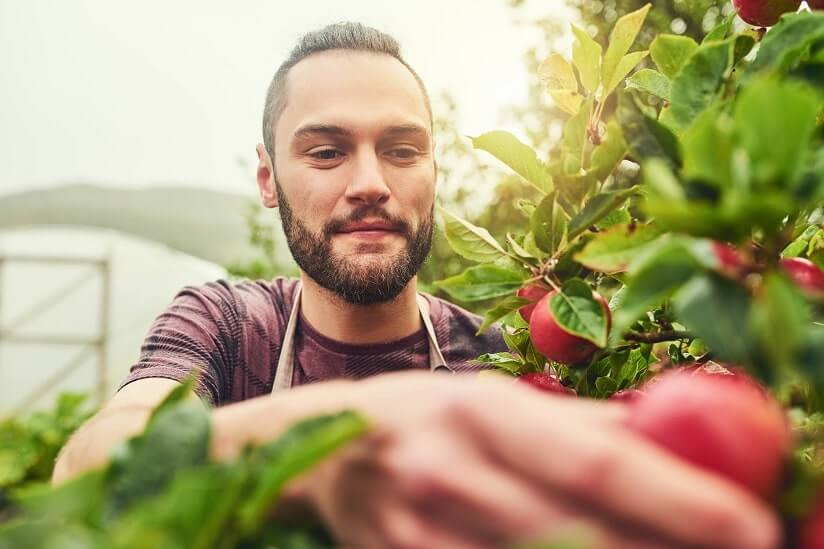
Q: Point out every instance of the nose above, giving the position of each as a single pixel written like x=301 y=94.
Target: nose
x=367 y=183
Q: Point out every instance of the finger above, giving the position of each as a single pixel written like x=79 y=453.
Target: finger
x=611 y=469
x=408 y=526
x=497 y=510
x=503 y=389
x=486 y=503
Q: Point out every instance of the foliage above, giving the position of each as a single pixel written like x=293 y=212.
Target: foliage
x=161 y=489
x=29 y=445
x=716 y=141
x=268 y=263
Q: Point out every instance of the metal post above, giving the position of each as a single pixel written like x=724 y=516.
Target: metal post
x=102 y=346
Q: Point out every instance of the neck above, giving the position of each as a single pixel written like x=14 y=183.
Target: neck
x=360 y=324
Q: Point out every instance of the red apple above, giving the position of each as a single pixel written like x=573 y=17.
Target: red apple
x=812 y=528
x=533 y=293
x=553 y=341
x=546 y=382
x=805 y=274
x=730 y=261
x=764 y=13
x=726 y=424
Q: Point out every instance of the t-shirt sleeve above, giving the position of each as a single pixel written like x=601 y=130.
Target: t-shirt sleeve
x=192 y=337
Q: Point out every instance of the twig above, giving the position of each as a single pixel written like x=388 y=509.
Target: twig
x=657 y=337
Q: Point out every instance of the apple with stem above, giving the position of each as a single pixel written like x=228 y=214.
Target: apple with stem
x=553 y=341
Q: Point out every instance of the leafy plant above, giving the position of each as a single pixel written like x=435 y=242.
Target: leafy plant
x=162 y=490
x=29 y=445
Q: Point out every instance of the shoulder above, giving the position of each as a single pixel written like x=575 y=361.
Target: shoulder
x=245 y=298
x=458 y=328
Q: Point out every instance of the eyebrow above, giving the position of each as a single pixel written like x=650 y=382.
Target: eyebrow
x=311 y=130
x=320 y=129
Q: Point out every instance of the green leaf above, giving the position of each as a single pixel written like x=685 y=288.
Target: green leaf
x=616 y=217
x=605 y=386
x=502 y=361
x=625 y=66
x=661 y=182
x=579 y=313
x=645 y=136
x=652 y=82
x=481 y=282
x=598 y=207
x=508 y=305
x=788 y=42
x=519 y=157
x=575 y=138
x=559 y=78
x=302 y=447
x=572 y=189
x=699 y=82
x=176 y=437
x=777 y=145
x=518 y=341
x=518 y=249
x=472 y=242
x=654 y=277
x=548 y=225
x=609 y=154
x=721 y=30
x=779 y=308
x=620 y=40
x=670 y=52
x=586 y=54
x=612 y=251
x=716 y=310
x=798 y=247
x=708 y=145
x=80 y=500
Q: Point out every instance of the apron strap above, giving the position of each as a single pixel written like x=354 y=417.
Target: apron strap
x=437 y=362
x=286 y=360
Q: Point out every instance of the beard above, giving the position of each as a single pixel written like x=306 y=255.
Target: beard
x=360 y=283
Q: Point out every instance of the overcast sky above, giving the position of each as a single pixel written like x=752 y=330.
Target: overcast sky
x=170 y=92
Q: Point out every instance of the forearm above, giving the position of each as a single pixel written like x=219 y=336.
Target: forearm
x=263 y=419
x=89 y=448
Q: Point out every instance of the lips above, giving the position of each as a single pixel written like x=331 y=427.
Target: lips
x=369 y=226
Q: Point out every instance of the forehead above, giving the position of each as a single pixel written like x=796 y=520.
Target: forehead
x=359 y=91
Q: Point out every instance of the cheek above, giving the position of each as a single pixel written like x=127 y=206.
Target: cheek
x=311 y=197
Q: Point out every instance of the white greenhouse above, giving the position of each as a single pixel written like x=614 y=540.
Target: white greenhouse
x=75 y=304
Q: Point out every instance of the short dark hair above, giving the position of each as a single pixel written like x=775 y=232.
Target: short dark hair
x=339 y=36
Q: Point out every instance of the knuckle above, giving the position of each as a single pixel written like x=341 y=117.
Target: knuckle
x=593 y=471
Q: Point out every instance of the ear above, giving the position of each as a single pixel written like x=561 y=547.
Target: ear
x=266 y=178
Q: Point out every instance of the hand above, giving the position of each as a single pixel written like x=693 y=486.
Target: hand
x=463 y=462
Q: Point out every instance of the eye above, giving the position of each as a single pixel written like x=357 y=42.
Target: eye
x=326 y=154
x=404 y=153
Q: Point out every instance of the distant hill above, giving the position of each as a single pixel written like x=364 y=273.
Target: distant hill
x=204 y=223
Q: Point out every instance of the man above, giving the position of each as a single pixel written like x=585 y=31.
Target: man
x=454 y=461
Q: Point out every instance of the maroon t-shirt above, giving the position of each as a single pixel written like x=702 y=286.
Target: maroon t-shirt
x=231 y=335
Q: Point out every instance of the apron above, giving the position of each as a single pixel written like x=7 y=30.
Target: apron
x=286 y=361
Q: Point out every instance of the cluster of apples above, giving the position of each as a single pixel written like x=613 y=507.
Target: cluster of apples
x=714 y=416
x=766 y=13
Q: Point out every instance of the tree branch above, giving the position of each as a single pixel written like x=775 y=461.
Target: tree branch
x=657 y=337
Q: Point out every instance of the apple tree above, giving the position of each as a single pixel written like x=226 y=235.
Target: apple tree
x=678 y=235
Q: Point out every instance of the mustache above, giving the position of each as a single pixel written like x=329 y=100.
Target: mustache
x=361 y=213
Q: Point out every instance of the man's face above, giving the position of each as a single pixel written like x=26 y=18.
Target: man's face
x=356 y=174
